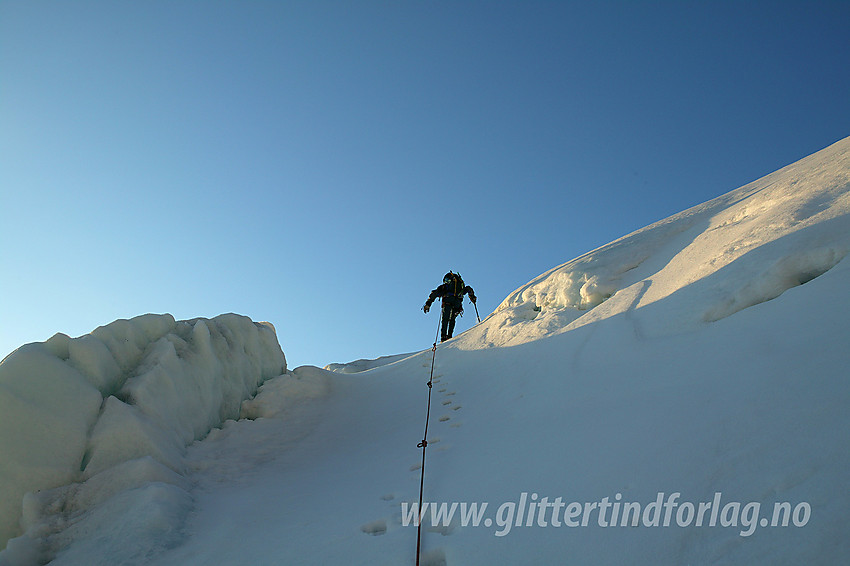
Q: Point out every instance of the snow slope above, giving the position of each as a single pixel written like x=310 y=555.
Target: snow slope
x=738 y=250
x=703 y=356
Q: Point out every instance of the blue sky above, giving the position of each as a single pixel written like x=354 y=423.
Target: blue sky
x=321 y=165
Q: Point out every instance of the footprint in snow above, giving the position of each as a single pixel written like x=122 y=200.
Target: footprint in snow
x=447 y=402
x=444 y=418
x=444 y=530
x=375 y=528
x=436 y=557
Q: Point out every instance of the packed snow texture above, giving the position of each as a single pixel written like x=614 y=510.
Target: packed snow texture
x=703 y=354
x=733 y=252
x=85 y=422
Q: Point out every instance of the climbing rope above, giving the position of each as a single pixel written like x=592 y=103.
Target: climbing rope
x=424 y=444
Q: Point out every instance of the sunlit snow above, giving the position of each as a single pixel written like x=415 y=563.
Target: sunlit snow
x=704 y=355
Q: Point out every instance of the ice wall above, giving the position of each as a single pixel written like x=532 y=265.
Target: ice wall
x=129 y=396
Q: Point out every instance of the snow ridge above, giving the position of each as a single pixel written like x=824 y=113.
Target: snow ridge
x=362 y=365
x=738 y=250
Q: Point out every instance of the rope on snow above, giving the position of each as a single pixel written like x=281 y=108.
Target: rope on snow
x=424 y=444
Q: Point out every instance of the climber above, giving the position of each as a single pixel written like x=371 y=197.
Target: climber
x=451 y=292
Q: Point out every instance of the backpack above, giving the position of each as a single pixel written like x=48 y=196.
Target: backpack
x=455 y=294
x=459 y=285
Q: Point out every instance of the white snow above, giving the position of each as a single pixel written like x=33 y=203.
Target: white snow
x=738 y=250
x=704 y=354
x=116 y=407
x=362 y=365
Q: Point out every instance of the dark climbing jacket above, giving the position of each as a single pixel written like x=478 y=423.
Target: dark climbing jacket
x=452 y=294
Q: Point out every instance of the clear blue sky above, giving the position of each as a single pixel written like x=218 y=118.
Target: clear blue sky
x=321 y=165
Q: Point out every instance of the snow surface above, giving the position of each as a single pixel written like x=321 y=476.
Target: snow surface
x=362 y=365
x=703 y=354
x=87 y=420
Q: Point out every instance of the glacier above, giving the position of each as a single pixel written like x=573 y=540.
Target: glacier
x=704 y=355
